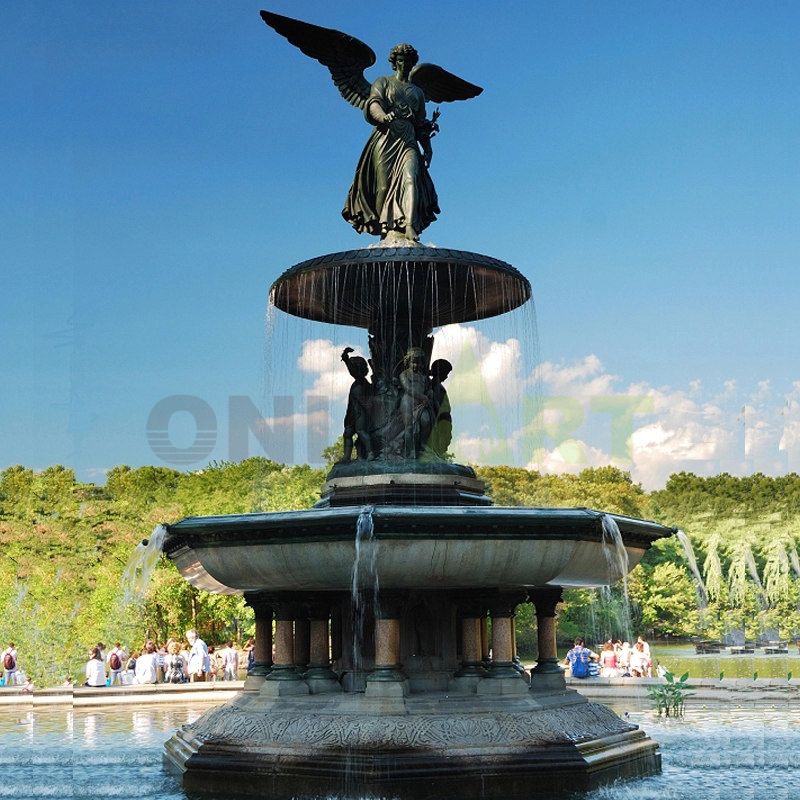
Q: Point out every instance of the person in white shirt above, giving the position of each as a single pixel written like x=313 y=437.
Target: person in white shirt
x=116 y=663
x=10 y=664
x=199 y=662
x=639 y=663
x=230 y=660
x=146 y=670
x=95 y=669
x=624 y=657
x=646 y=651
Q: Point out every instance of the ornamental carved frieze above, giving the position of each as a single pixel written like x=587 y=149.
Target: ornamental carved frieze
x=253 y=729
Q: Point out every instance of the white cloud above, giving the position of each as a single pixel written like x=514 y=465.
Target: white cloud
x=323 y=359
x=484 y=371
x=572 y=455
x=315 y=420
x=672 y=429
x=790 y=431
x=583 y=411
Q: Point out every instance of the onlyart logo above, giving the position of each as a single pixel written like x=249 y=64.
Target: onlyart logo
x=550 y=425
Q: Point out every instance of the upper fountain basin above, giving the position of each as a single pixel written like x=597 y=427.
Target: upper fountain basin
x=435 y=285
x=438 y=547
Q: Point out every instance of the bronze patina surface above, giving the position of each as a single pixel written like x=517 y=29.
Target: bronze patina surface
x=392 y=193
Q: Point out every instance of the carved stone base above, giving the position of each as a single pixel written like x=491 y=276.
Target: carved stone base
x=283 y=688
x=465 y=684
x=323 y=685
x=547 y=681
x=397 y=688
x=503 y=685
x=402 y=483
x=422 y=746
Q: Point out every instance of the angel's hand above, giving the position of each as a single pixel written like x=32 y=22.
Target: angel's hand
x=389 y=118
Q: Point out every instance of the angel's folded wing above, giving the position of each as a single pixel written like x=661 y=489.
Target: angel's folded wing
x=345 y=56
x=441 y=86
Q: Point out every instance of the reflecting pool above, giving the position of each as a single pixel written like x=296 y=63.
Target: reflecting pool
x=713 y=753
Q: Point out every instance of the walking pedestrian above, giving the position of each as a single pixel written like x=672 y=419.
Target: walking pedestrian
x=116 y=663
x=250 y=651
x=199 y=662
x=10 y=664
x=230 y=663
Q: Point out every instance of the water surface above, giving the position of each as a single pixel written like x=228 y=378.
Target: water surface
x=116 y=752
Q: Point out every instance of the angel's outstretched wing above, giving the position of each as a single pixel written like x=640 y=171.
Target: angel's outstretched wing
x=345 y=56
x=441 y=86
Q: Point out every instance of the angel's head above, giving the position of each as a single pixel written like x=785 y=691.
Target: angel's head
x=407 y=51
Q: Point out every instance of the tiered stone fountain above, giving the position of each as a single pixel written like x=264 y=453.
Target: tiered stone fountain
x=391 y=604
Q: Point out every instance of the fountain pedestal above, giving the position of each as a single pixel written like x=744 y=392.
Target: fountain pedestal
x=408 y=696
x=419 y=746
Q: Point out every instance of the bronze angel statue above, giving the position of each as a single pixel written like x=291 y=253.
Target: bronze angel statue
x=392 y=195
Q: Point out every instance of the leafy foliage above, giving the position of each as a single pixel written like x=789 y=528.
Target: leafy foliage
x=670 y=697
x=64 y=545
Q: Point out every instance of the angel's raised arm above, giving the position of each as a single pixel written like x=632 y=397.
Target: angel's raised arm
x=345 y=56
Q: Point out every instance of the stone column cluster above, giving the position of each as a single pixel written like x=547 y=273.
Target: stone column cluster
x=387 y=679
x=305 y=641
x=503 y=673
x=547 y=675
x=301 y=663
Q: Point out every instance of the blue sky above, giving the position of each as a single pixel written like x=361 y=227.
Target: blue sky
x=163 y=163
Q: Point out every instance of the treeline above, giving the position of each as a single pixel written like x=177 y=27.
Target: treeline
x=64 y=546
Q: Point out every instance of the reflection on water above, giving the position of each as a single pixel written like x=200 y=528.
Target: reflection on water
x=680 y=658
x=714 y=754
x=109 y=752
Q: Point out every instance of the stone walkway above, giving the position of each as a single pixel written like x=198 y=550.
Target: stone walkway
x=82 y=696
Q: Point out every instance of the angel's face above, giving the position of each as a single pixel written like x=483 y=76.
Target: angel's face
x=402 y=65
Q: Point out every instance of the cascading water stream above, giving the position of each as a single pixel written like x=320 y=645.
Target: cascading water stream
x=364 y=584
x=617 y=567
x=752 y=569
x=776 y=572
x=795 y=562
x=712 y=568
x=691 y=559
x=141 y=565
x=617 y=563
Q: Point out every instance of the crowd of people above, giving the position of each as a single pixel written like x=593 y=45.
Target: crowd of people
x=616 y=659
x=191 y=660
x=175 y=661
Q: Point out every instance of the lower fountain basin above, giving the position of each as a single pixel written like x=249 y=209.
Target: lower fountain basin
x=418 y=548
x=433 y=746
